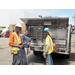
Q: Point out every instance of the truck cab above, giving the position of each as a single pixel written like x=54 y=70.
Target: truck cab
x=60 y=29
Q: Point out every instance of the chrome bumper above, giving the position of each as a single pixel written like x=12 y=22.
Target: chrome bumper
x=64 y=53
x=67 y=52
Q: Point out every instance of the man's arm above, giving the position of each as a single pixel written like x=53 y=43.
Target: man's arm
x=47 y=48
x=14 y=45
x=20 y=46
x=11 y=40
x=25 y=42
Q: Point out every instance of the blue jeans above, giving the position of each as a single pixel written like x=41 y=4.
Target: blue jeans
x=20 y=58
x=49 y=60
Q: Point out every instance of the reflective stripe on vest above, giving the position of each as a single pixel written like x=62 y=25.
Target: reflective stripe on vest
x=50 y=47
x=50 y=44
x=17 y=40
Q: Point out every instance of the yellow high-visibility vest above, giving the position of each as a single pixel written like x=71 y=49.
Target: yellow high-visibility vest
x=49 y=42
x=17 y=40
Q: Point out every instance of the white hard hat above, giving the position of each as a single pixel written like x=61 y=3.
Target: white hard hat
x=18 y=25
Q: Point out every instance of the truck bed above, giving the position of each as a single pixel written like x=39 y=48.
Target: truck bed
x=60 y=42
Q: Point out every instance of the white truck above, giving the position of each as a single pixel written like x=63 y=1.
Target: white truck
x=60 y=29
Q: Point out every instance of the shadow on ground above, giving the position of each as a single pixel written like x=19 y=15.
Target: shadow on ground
x=57 y=59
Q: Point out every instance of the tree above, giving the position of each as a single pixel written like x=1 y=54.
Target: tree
x=2 y=27
x=8 y=27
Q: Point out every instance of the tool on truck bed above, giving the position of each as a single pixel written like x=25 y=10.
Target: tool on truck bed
x=55 y=47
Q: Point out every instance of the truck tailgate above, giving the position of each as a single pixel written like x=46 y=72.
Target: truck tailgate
x=60 y=42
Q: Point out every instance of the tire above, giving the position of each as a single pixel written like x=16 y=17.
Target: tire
x=40 y=54
x=34 y=52
x=67 y=56
x=37 y=53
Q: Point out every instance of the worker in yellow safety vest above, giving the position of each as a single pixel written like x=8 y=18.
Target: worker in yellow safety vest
x=48 y=46
x=17 y=48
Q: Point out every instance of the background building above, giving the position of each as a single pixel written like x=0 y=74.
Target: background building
x=14 y=17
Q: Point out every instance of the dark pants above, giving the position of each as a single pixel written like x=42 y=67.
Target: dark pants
x=20 y=58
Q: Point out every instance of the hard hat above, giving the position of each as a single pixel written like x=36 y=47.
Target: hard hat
x=46 y=29
x=18 y=25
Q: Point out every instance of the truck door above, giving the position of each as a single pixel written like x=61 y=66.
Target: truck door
x=36 y=34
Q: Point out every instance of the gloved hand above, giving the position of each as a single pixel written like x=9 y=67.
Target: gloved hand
x=21 y=46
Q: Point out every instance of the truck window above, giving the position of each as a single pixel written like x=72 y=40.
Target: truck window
x=35 y=32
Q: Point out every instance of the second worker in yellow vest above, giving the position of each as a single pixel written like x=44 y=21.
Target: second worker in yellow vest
x=48 y=46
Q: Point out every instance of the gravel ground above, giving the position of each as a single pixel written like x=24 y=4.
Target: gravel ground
x=4 y=43
x=6 y=58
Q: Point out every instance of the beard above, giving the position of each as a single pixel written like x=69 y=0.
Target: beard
x=45 y=35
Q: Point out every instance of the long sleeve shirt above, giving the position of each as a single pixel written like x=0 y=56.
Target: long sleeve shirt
x=11 y=40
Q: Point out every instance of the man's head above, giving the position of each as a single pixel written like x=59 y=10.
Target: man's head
x=26 y=32
x=47 y=32
x=18 y=27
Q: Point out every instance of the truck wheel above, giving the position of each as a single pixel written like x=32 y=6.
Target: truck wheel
x=40 y=54
x=67 y=56
x=35 y=53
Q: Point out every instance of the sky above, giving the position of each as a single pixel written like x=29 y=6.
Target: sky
x=4 y=14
